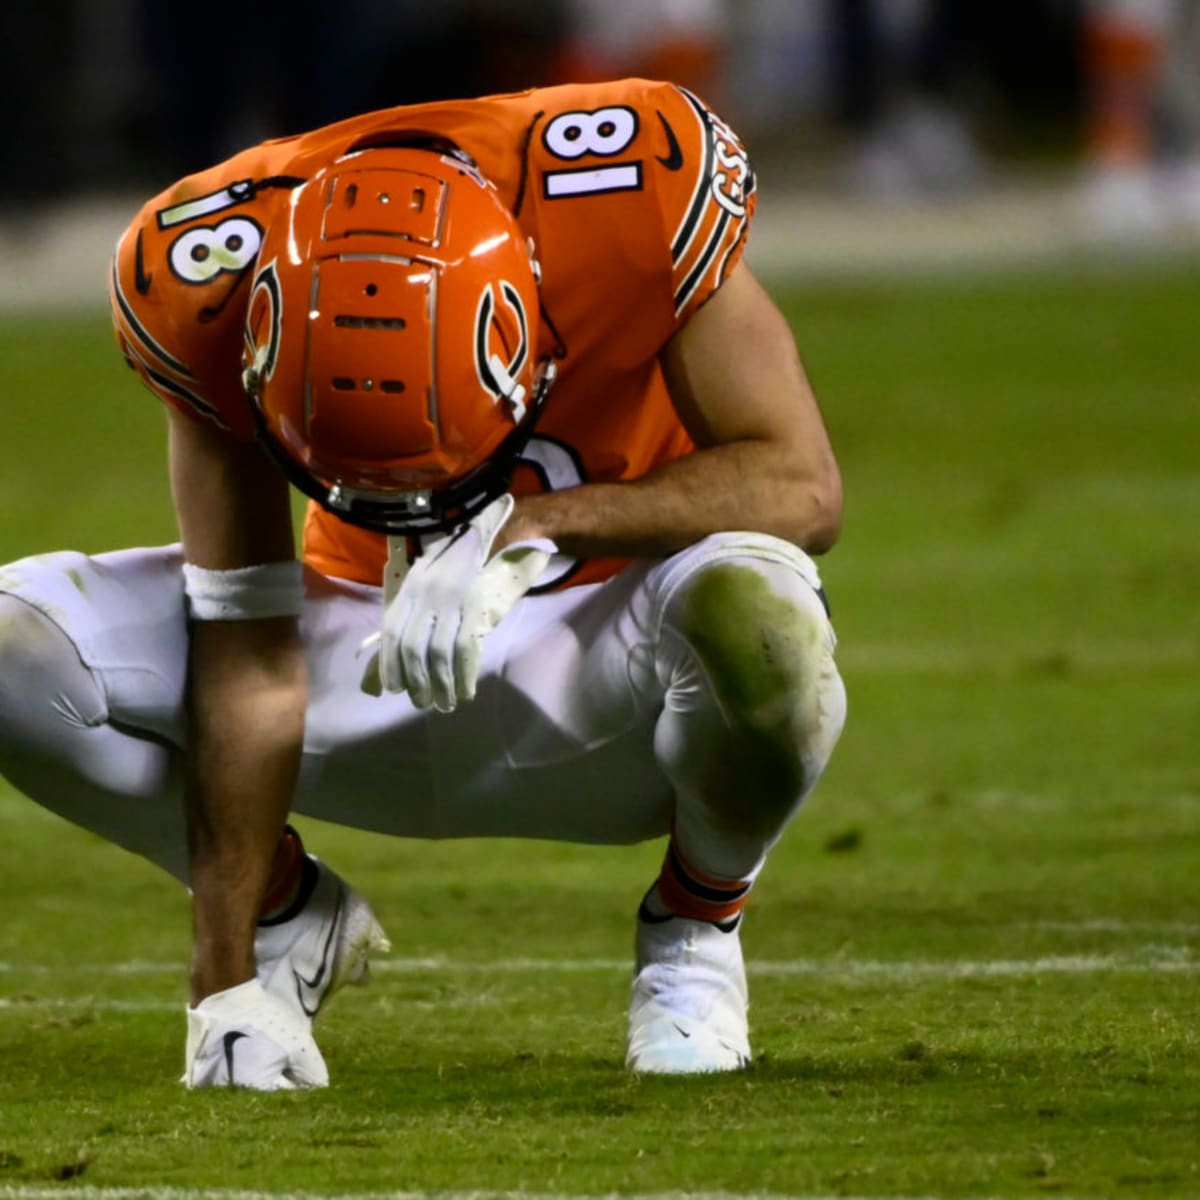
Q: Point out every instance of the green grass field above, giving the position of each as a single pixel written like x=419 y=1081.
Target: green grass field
x=975 y=959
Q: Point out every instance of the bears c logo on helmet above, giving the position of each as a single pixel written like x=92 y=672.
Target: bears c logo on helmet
x=497 y=376
x=264 y=315
x=390 y=341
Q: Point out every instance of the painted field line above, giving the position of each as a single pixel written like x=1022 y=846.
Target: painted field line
x=1152 y=960
x=108 y=1004
x=17 y=1192
x=826 y=970
x=24 y=1004
x=831 y=968
x=1117 y=925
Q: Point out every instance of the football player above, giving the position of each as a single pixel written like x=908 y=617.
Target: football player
x=1141 y=175
x=566 y=476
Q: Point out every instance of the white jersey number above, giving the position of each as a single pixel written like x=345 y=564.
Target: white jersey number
x=603 y=133
x=206 y=251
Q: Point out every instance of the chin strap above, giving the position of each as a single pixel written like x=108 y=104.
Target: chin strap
x=398 y=562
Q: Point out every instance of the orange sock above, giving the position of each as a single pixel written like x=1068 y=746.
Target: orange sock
x=286 y=871
x=685 y=891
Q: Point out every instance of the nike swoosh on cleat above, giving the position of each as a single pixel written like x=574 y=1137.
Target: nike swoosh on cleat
x=229 y=1041
x=674 y=159
x=141 y=280
x=681 y=1031
x=306 y=986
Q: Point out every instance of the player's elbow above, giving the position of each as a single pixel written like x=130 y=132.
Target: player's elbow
x=822 y=508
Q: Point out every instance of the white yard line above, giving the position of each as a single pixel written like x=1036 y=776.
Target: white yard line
x=834 y=969
x=71 y=1003
x=1116 y=925
x=31 y=1192
x=1157 y=960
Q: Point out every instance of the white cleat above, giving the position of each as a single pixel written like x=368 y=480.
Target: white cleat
x=302 y=961
x=687 y=1014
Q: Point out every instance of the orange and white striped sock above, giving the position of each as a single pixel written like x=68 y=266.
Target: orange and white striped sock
x=683 y=890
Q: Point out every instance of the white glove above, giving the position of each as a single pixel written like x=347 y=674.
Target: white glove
x=450 y=600
x=242 y=1037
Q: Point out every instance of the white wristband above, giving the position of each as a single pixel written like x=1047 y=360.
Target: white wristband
x=244 y=593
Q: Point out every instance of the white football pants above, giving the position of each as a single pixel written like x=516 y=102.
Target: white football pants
x=697 y=693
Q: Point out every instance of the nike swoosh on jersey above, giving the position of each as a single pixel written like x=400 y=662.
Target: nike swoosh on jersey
x=306 y=989
x=141 y=280
x=674 y=158
x=229 y=1041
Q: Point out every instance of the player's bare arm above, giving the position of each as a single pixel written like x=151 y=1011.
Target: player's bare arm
x=764 y=463
x=247 y=693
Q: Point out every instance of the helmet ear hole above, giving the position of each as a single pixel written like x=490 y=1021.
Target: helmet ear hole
x=371 y=289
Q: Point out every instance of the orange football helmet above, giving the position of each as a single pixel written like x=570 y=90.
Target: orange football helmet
x=390 y=340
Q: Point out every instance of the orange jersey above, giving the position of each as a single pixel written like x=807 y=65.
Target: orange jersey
x=637 y=198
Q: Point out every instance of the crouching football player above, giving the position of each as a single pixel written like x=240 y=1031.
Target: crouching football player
x=566 y=476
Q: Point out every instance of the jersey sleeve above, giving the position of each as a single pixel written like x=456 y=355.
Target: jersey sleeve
x=707 y=201
x=644 y=199
x=177 y=276
x=145 y=336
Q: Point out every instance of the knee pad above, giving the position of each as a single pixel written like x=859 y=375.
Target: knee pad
x=751 y=606
x=749 y=549
x=744 y=627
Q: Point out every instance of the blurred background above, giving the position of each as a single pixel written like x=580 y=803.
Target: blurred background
x=992 y=129
x=982 y=219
